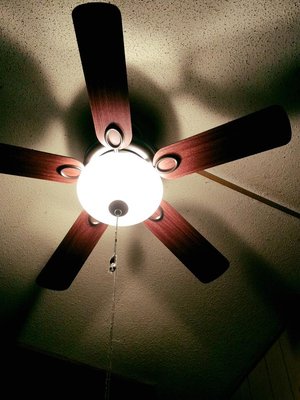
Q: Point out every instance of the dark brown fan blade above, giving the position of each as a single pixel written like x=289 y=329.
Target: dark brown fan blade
x=254 y=133
x=20 y=161
x=99 y=33
x=188 y=245
x=71 y=254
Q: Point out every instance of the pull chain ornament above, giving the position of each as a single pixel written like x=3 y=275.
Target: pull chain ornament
x=113 y=263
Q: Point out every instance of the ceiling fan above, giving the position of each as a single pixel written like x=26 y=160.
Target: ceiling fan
x=117 y=166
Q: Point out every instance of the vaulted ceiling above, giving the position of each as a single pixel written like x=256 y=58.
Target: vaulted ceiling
x=191 y=65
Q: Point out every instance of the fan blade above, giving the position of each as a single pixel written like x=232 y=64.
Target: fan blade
x=98 y=28
x=20 y=161
x=71 y=254
x=251 y=134
x=188 y=245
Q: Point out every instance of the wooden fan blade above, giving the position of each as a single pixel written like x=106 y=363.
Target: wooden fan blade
x=71 y=254
x=188 y=245
x=99 y=33
x=20 y=161
x=254 y=133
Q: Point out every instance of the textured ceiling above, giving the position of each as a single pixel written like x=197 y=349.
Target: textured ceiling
x=192 y=65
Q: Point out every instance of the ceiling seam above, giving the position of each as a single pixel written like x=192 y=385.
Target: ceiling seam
x=248 y=193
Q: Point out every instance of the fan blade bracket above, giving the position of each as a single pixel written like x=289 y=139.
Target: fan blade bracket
x=158 y=215
x=99 y=33
x=114 y=137
x=69 y=171
x=167 y=164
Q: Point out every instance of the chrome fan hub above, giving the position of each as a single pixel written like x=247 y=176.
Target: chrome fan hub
x=138 y=148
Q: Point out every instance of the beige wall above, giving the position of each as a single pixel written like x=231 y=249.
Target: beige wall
x=277 y=375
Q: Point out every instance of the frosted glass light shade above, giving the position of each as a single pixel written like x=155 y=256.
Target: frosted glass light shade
x=124 y=176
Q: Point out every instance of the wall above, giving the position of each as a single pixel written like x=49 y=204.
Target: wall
x=277 y=375
x=27 y=373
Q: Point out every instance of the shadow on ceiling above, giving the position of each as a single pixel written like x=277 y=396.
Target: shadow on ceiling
x=27 y=104
x=256 y=69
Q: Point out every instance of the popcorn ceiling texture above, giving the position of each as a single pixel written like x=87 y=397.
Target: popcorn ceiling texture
x=192 y=65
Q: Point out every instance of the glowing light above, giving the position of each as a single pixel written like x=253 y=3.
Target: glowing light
x=123 y=176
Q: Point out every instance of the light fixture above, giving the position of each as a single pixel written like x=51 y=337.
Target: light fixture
x=119 y=183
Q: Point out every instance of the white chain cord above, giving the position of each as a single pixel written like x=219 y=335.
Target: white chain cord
x=113 y=270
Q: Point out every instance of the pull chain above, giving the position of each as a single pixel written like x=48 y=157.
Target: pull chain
x=112 y=269
x=113 y=260
x=116 y=208
x=117 y=212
